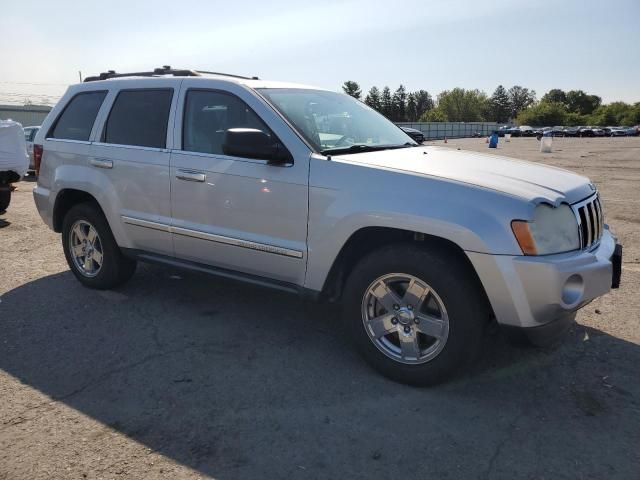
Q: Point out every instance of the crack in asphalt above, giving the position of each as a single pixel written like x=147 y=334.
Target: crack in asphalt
x=498 y=450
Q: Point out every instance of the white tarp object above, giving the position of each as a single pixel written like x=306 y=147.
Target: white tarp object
x=13 y=148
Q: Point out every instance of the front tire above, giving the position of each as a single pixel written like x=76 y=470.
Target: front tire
x=416 y=315
x=91 y=250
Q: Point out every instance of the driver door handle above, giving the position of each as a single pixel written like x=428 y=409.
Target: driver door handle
x=191 y=176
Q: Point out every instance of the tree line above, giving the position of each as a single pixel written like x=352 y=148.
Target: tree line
x=516 y=104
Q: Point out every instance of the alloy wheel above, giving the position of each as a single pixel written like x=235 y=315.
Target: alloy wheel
x=405 y=318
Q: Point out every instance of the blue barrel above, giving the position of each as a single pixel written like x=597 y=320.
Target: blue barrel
x=493 y=140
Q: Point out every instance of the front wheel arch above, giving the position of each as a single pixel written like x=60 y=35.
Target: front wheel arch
x=368 y=239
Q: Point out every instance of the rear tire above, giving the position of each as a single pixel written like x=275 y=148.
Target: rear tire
x=91 y=250
x=5 y=200
x=453 y=311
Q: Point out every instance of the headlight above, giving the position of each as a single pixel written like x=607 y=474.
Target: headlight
x=553 y=230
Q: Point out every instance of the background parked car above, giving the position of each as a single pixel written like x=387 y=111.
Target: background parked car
x=29 y=135
x=572 y=131
x=417 y=135
x=514 y=131
x=557 y=131
x=586 y=132
x=632 y=131
x=597 y=132
x=615 y=131
x=527 y=131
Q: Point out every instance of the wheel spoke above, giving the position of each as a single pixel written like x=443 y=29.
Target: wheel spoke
x=78 y=251
x=381 y=326
x=91 y=236
x=430 y=325
x=88 y=264
x=97 y=257
x=79 y=233
x=415 y=294
x=387 y=297
x=409 y=346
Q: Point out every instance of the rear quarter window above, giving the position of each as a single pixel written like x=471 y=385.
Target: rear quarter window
x=139 y=118
x=76 y=120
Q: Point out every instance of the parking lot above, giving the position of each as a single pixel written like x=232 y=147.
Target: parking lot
x=180 y=375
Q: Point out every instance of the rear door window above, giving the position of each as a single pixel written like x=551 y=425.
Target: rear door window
x=77 y=118
x=139 y=117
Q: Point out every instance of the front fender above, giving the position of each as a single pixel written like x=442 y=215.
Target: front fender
x=474 y=218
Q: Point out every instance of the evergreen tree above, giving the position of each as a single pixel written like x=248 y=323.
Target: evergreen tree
x=399 y=104
x=412 y=110
x=499 y=105
x=386 y=102
x=373 y=98
x=352 y=88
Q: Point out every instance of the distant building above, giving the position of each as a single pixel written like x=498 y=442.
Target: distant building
x=27 y=115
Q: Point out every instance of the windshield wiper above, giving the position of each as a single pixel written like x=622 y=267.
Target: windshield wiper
x=363 y=148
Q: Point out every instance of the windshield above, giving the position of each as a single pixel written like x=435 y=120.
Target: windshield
x=334 y=122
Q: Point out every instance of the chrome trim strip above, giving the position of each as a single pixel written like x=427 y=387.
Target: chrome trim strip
x=147 y=224
x=236 y=242
x=131 y=147
x=67 y=140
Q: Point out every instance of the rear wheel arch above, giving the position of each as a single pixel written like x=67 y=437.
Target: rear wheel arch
x=67 y=199
x=368 y=239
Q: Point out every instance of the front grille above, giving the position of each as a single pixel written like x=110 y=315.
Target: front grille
x=590 y=221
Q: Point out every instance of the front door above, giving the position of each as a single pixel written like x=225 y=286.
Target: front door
x=236 y=213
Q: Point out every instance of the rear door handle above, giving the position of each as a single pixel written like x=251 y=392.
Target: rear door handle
x=101 y=163
x=190 y=176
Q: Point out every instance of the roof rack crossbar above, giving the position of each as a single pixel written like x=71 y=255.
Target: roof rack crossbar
x=164 y=70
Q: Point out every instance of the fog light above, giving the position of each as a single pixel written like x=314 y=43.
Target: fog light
x=573 y=290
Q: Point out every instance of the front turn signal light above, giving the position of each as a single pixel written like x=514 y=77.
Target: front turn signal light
x=524 y=237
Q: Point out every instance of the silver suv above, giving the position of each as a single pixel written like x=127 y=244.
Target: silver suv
x=312 y=192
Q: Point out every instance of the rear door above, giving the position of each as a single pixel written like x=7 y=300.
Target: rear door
x=132 y=155
x=237 y=213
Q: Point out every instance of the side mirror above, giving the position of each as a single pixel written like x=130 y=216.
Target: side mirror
x=254 y=143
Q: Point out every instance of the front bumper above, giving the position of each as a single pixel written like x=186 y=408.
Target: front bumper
x=532 y=292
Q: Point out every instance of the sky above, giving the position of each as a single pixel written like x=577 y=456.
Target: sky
x=429 y=44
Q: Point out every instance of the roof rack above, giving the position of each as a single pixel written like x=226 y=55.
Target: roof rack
x=164 y=70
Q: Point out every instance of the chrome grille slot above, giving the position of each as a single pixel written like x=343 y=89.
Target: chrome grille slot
x=590 y=221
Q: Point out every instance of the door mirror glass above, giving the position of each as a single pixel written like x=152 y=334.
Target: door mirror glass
x=254 y=143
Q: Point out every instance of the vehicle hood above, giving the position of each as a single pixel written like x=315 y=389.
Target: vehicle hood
x=531 y=181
